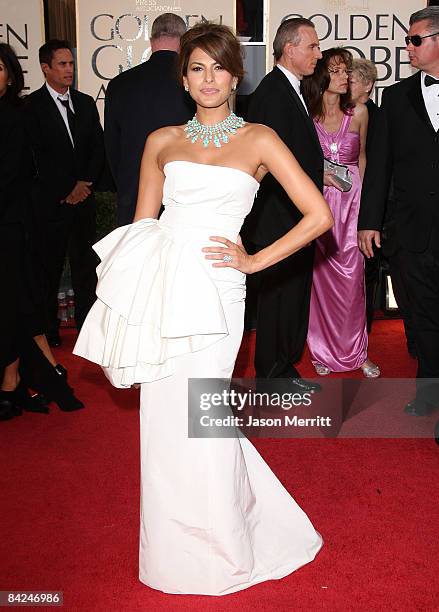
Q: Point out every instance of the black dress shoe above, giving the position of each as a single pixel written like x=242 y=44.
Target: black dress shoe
x=418 y=408
x=53 y=339
x=306 y=386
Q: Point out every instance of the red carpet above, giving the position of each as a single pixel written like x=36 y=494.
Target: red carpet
x=69 y=512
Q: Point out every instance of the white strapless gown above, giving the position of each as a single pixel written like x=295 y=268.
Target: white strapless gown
x=214 y=517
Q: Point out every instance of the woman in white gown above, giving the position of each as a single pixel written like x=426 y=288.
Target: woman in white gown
x=214 y=518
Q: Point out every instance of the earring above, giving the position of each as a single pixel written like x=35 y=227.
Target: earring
x=234 y=88
x=186 y=88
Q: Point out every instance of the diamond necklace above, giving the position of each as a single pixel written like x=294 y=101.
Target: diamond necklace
x=218 y=132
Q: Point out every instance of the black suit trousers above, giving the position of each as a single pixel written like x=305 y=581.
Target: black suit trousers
x=71 y=233
x=283 y=313
x=371 y=277
x=402 y=299
x=420 y=273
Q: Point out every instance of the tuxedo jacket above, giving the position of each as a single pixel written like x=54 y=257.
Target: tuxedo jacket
x=372 y=111
x=404 y=146
x=275 y=103
x=59 y=164
x=138 y=102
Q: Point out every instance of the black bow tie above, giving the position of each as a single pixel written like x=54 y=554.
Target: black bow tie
x=429 y=80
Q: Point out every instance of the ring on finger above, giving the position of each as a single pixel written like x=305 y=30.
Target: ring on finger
x=227 y=258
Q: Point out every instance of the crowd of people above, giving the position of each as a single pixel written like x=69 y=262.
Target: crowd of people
x=46 y=176
x=320 y=106
x=202 y=202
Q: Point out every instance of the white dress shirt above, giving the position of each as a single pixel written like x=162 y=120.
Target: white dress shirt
x=62 y=109
x=431 y=100
x=295 y=83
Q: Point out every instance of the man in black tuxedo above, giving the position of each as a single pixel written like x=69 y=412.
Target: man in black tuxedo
x=140 y=101
x=406 y=146
x=285 y=289
x=67 y=143
x=361 y=84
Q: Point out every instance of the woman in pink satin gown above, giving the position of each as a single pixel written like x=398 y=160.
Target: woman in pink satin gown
x=337 y=334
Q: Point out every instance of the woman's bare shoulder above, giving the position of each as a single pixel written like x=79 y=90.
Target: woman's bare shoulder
x=261 y=132
x=165 y=134
x=360 y=110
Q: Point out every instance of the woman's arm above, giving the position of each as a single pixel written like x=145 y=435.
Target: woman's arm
x=151 y=179
x=317 y=219
x=362 y=114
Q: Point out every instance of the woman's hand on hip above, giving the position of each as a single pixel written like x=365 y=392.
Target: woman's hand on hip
x=231 y=255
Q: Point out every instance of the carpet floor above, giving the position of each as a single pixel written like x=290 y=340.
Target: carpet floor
x=69 y=514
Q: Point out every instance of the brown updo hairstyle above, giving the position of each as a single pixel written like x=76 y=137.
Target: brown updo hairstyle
x=218 y=41
x=316 y=84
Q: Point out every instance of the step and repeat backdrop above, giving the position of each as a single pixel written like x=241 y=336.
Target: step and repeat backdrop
x=372 y=29
x=113 y=35
x=22 y=27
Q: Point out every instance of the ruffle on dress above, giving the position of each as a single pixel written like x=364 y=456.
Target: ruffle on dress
x=155 y=301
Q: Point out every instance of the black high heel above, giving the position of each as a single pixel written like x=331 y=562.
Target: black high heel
x=28 y=402
x=61 y=371
x=50 y=381
x=55 y=389
x=8 y=406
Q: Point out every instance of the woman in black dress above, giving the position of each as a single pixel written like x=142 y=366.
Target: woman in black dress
x=12 y=181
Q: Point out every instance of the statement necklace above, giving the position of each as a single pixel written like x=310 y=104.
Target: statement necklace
x=218 y=132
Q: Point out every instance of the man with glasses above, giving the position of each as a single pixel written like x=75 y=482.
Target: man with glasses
x=405 y=145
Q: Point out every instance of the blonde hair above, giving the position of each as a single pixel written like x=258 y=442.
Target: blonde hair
x=365 y=69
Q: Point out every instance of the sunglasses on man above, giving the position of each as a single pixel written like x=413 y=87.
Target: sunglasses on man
x=416 y=40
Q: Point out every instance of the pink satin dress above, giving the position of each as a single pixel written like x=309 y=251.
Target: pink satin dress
x=337 y=333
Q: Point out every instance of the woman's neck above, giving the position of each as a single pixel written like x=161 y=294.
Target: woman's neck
x=363 y=99
x=210 y=116
x=331 y=104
